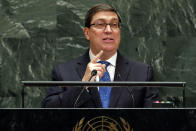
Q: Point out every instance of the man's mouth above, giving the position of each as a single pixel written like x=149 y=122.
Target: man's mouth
x=108 y=40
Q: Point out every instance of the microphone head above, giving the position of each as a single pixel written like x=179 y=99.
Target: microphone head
x=94 y=72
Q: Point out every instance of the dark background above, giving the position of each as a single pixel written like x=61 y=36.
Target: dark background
x=37 y=34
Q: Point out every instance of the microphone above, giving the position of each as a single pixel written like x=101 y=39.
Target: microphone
x=129 y=89
x=118 y=76
x=93 y=73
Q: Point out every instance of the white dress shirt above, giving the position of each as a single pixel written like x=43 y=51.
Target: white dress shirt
x=111 y=68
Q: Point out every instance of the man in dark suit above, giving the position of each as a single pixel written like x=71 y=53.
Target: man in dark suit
x=102 y=29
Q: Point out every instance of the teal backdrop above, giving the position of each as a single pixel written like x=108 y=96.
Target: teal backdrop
x=37 y=34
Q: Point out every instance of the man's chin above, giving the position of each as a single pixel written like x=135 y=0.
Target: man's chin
x=109 y=51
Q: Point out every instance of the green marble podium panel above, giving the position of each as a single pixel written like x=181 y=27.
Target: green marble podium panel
x=37 y=34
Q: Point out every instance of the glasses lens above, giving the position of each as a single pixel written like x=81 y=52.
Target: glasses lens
x=114 y=25
x=102 y=25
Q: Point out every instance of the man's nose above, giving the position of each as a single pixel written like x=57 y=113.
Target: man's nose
x=108 y=29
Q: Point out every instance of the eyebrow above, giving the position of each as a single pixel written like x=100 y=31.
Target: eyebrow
x=113 y=19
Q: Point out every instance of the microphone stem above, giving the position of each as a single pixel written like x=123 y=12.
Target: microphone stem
x=90 y=78
x=93 y=73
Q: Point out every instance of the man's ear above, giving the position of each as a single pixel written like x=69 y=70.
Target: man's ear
x=86 y=32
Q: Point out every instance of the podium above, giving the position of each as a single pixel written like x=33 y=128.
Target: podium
x=122 y=84
x=134 y=119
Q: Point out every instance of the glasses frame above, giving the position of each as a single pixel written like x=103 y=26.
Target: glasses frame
x=106 y=24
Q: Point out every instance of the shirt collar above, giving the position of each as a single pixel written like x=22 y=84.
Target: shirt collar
x=112 y=59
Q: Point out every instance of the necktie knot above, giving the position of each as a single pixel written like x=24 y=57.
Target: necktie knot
x=105 y=62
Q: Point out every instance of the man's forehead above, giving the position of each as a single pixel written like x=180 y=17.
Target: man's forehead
x=103 y=20
x=105 y=15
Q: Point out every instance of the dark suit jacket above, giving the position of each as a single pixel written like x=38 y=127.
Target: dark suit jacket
x=126 y=70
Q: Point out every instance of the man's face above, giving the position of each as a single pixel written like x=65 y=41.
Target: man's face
x=107 y=38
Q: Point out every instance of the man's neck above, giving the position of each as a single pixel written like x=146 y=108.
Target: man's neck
x=105 y=56
x=112 y=59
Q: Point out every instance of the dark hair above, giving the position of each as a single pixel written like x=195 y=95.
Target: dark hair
x=97 y=8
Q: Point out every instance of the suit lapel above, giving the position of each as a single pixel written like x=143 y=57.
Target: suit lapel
x=80 y=69
x=121 y=73
x=81 y=64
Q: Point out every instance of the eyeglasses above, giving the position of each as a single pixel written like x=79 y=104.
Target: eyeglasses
x=102 y=25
